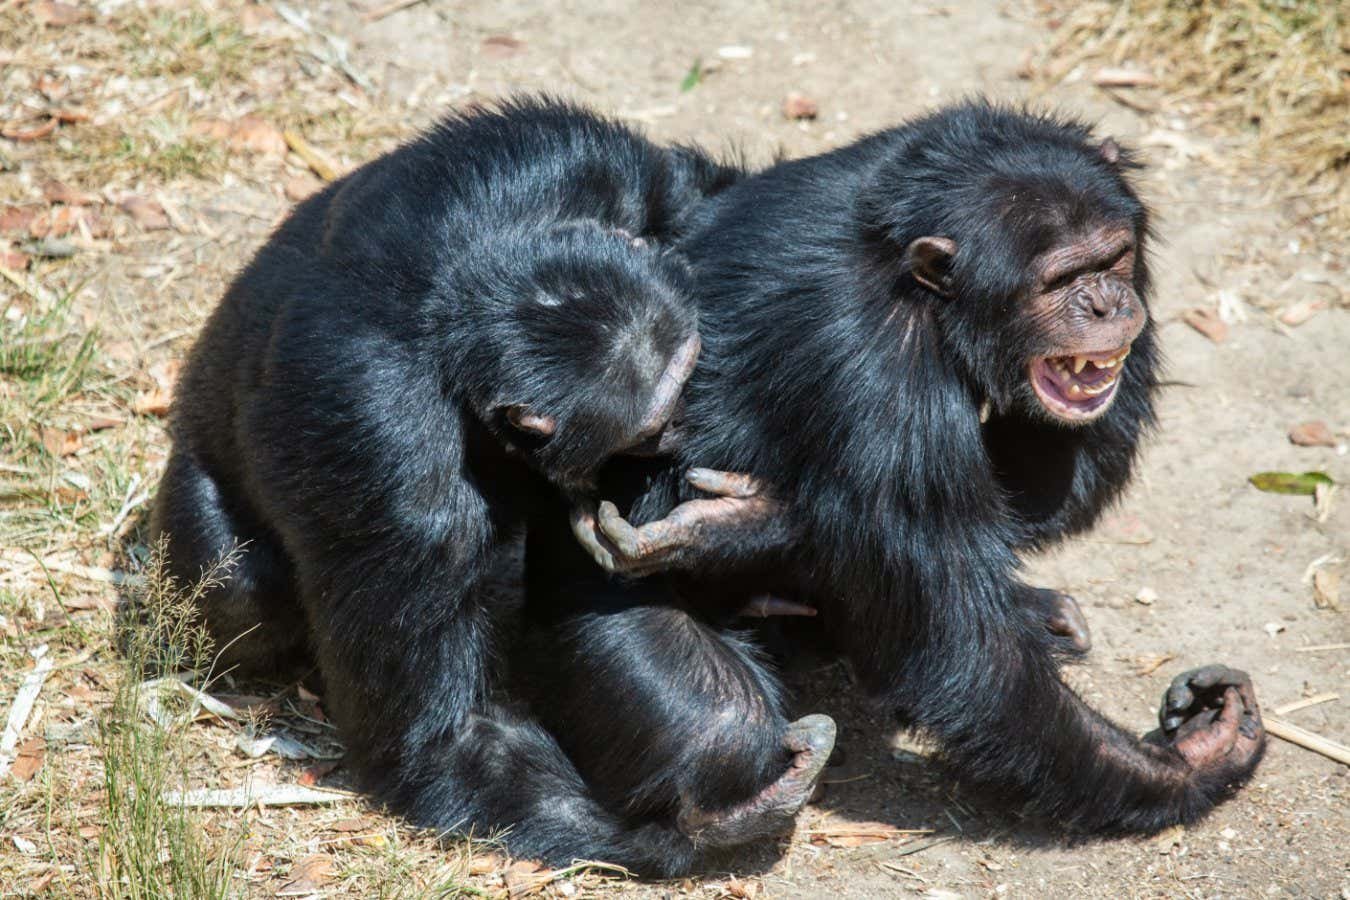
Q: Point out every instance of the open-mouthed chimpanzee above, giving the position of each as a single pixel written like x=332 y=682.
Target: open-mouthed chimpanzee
x=421 y=353
x=918 y=345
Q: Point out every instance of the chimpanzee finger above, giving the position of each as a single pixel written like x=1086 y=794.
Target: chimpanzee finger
x=724 y=484
x=583 y=523
x=625 y=537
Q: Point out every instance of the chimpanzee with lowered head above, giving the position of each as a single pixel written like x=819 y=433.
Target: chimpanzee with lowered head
x=420 y=355
x=932 y=349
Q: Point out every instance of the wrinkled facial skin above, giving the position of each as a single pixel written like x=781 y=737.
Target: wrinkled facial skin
x=1087 y=313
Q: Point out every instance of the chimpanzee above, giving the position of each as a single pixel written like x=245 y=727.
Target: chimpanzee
x=862 y=312
x=420 y=353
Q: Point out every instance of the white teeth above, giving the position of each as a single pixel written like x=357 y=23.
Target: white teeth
x=1078 y=363
x=1075 y=390
x=1100 y=388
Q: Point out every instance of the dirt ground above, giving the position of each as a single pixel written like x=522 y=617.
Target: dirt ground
x=1195 y=566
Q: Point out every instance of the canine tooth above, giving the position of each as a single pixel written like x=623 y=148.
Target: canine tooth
x=1078 y=363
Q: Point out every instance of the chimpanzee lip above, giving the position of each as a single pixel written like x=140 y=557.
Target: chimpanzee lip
x=1076 y=388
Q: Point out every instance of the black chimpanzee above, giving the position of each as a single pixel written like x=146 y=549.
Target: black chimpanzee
x=417 y=356
x=859 y=310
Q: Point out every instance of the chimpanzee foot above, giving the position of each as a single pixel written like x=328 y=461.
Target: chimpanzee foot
x=1063 y=618
x=772 y=810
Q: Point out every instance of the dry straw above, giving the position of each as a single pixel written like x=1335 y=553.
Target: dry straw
x=1278 y=70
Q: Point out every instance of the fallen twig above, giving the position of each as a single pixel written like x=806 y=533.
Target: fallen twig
x=389 y=9
x=264 y=795
x=22 y=707
x=1306 y=702
x=1306 y=739
x=95 y=573
x=1318 y=648
x=312 y=157
x=132 y=501
x=864 y=832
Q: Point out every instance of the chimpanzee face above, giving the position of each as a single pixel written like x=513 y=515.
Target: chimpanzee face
x=1087 y=313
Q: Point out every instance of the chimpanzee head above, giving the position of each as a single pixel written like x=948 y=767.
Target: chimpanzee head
x=1032 y=255
x=596 y=343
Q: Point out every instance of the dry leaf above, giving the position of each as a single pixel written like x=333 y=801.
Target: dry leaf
x=60 y=442
x=800 y=106
x=55 y=13
x=746 y=890
x=1207 y=322
x=315 y=773
x=42 y=882
x=250 y=134
x=154 y=402
x=1327 y=589
x=1312 y=434
x=524 y=877
x=32 y=753
x=1298 y=313
x=500 y=46
x=60 y=221
x=485 y=864
x=258 y=136
x=308 y=875
x=13 y=259
x=147 y=213
x=1148 y=664
x=17 y=219
x=89 y=832
x=300 y=187
x=356 y=823
x=27 y=131
x=69 y=116
x=54 y=191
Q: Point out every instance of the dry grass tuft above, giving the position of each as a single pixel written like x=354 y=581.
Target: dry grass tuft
x=1277 y=70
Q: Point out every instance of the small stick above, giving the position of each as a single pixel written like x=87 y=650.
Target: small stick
x=865 y=832
x=389 y=9
x=248 y=795
x=23 y=707
x=312 y=157
x=1305 y=703
x=1306 y=739
x=1318 y=648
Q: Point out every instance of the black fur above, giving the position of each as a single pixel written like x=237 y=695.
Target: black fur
x=344 y=416
x=855 y=393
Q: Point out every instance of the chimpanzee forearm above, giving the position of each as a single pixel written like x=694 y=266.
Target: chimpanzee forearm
x=991 y=695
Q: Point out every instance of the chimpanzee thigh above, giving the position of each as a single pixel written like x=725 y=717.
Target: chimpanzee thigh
x=660 y=712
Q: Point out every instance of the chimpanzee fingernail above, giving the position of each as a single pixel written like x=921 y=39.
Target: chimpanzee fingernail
x=1172 y=723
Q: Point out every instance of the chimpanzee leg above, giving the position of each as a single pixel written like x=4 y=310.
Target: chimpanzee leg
x=254 y=615
x=668 y=717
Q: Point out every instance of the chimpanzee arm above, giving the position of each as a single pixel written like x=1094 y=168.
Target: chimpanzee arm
x=986 y=686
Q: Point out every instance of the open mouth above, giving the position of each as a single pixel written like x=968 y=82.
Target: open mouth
x=1077 y=388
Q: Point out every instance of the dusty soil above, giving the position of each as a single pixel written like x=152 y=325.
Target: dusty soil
x=1225 y=566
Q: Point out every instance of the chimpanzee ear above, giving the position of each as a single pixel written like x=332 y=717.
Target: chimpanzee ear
x=1109 y=150
x=523 y=418
x=930 y=260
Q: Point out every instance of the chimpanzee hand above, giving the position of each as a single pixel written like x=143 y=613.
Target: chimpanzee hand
x=687 y=536
x=1210 y=716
